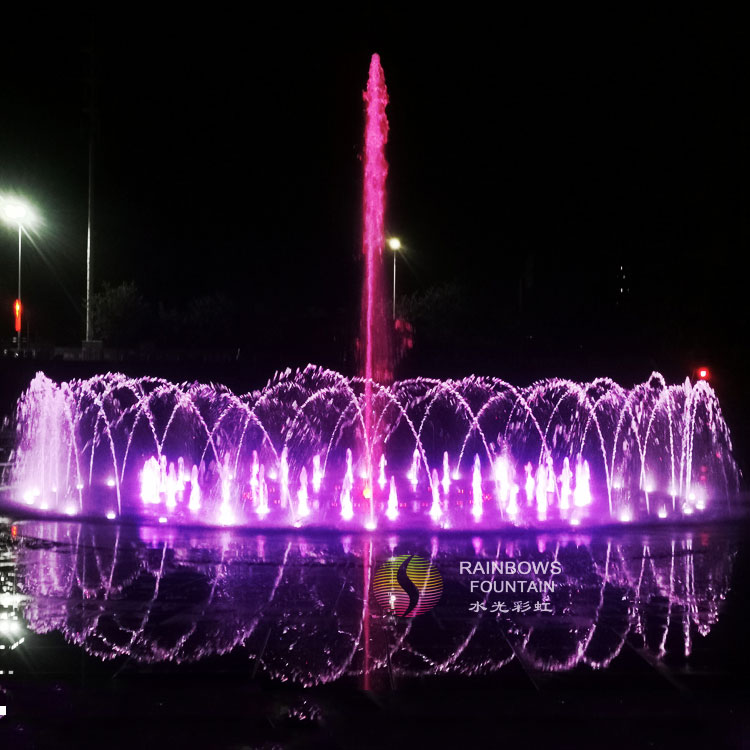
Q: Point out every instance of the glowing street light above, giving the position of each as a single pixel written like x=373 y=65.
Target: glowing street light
x=394 y=244
x=17 y=212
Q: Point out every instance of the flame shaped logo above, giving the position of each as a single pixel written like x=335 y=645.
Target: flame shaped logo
x=407 y=585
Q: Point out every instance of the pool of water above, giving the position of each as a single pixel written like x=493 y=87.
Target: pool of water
x=280 y=633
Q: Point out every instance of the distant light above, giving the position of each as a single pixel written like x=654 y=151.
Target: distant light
x=394 y=243
x=662 y=513
x=111 y=515
x=70 y=510
x=703 y=373
x=625 y=516
x=370 y=525
x=162 y=519
x=79 y=486
x=15 y=211
x=110 y=482
x=575 y=521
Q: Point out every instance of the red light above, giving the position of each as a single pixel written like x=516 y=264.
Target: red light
x=703 y=373
x=14 y=530
x=17 y=312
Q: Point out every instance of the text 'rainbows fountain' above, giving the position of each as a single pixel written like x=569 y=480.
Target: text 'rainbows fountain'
x=317 y=448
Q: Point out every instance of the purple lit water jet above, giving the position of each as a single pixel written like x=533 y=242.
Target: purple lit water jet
x=303 y=450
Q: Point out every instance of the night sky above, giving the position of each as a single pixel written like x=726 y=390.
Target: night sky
x=530 y=159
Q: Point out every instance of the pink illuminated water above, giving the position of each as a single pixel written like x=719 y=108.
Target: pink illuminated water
x=375 y=327
x=476 y=452
x=375 y=343
x=316 y=447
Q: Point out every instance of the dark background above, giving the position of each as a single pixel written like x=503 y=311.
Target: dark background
x=535 y=162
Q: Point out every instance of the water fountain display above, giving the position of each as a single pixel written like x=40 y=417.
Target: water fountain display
x=317 y=448
x=444 y=454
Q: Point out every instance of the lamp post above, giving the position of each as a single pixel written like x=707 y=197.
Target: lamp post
x=394 y=243
x=17 y=212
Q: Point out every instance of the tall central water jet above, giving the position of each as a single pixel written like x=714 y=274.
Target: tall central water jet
x=375 y=340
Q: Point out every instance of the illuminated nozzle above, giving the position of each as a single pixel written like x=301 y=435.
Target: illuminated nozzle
x=582 y=491
x=513 y=509
x=284 y=479
x=503 y=471
x=347 y=507
x=476 y=490
x=194 y=501
x=413 y=474
x=317 y=477
x=446 y=481
x=541 y=493
x=566 y=478
x=529 y=488
x=255 y=467
x=303 y=508
x=262 y=509
x=391 y=510
x=226 y=515
x=150 y=482
x=171 y=487
x=382 y=481
x=436 y=510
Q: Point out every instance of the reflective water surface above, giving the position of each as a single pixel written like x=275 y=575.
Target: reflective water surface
x=277 y=638
x=301 y=607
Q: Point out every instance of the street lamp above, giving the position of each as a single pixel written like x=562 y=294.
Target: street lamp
x=17 y=212
x=394 y=243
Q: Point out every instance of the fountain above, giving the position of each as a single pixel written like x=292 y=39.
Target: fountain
x=553 y=453
x=316 y=448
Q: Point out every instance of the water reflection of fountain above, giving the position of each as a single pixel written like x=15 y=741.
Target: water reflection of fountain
x=296 y=602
